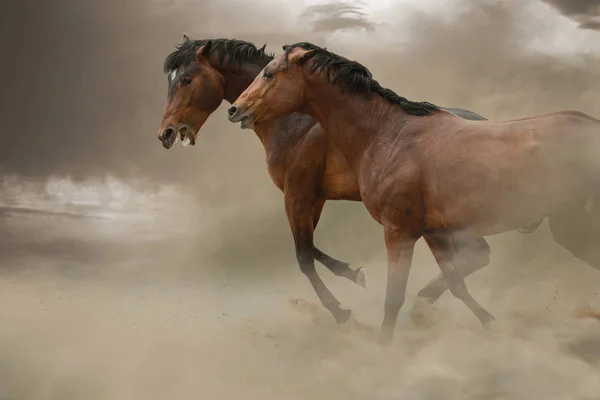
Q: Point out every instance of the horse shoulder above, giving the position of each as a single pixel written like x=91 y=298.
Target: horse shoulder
x=307 y=160
x=339 y=178
x=283 y=138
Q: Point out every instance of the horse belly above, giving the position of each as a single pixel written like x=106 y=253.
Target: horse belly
x=481 y=218
x=495 y=208
x=493 y=201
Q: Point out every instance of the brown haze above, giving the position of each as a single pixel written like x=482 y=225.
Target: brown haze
x=183 y=291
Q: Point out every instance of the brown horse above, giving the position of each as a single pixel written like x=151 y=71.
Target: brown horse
x=302 y=161
x=425 y=172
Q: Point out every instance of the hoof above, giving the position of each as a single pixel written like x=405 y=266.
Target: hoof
x=361 y=278
x=486 y=319
x=342 y=316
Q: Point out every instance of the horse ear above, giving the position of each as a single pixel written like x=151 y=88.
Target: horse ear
x=299 y=54
x=204 y=51
x=186 y=39
x=261 y=51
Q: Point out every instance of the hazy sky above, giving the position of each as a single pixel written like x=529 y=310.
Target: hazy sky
x=558 y=34
x=83 y=88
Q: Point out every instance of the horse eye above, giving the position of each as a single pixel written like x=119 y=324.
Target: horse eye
x=186 y=80
x=267 y=74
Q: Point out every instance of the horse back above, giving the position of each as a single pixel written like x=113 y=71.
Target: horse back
x=475 y=170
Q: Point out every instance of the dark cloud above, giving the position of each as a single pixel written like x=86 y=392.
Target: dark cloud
x=338 y=15
x=79 y=80
x=83 y=89
x=586 y=12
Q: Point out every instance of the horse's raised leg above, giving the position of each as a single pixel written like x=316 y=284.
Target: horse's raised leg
x=400 y=247
x=299 y=210
x=443 y=250
x=471 y=254
x=339 y=268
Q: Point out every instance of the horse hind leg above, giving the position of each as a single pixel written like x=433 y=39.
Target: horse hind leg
x=471 y=253
x=443 y=250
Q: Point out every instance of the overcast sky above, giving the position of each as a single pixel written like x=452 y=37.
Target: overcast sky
x=557 y=33
x=83 y=88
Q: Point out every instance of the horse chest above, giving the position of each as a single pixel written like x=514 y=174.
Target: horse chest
x=276 y=171
x=339 y=181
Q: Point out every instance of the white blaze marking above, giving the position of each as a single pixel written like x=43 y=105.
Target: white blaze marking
x=173 y=74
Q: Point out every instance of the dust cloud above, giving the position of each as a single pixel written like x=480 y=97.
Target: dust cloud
x=129 y=271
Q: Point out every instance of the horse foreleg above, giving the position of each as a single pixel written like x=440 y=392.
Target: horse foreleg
x=400 y=246
x=299 y=210
x=337 y=267
x=443 y=250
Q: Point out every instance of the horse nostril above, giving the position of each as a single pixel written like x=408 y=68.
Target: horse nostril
x=232 y=110
x=167 y=134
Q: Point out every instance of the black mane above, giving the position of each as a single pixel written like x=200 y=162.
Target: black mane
x=235 y=51
x=355 y=78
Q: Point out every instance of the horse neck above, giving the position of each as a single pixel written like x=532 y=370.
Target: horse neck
x=237 y=79
x=351 y=120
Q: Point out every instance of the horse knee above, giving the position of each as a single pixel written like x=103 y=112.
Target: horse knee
x=455 y=283
x=458 y=290
x=434 y=289
x=307 y=268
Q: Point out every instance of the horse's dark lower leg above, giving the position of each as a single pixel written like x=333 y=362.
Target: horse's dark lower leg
x=400 y=247
x=442 y=247
x=471 y=254
x=307 y=266
x=299 y=215
x=339 y=268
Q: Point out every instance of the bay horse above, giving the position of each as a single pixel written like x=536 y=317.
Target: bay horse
x=423 y=171
x=301 y=159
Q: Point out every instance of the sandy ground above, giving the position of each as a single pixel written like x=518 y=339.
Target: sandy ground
x=91 y=308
